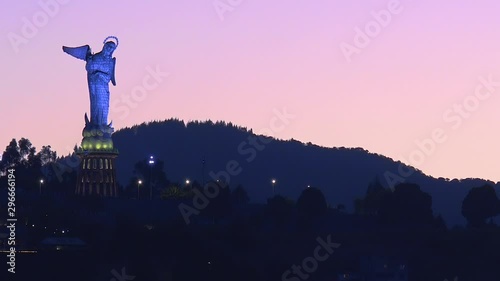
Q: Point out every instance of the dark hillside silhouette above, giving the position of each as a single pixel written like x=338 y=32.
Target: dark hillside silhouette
x=341 y=173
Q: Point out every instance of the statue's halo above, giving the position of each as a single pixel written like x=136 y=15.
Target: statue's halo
x=111 y=37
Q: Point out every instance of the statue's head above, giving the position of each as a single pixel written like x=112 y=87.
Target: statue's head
x=109 y=46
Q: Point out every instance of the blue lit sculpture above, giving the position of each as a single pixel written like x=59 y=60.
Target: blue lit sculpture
x=96 y=174
x=100 y=71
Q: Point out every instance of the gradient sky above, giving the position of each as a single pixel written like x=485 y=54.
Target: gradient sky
x=265 y=55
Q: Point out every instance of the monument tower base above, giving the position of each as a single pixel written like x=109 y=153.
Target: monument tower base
x=96 y=173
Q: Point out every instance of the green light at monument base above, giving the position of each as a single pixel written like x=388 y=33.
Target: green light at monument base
x=97 y=144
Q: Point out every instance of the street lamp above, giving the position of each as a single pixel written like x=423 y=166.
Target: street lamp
x=41 y=182
x=151 y=163
x=273 y=182
x=187 y=182
x=139 y=182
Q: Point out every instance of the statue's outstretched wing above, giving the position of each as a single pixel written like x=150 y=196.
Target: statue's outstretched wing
x=82 y=52
x=113 y=72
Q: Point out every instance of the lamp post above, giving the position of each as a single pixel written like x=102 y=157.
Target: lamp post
x=139 y=182
x=273 y=182
x=41 y=182
x=151 y=163
x=187 y=182
x=203 y=171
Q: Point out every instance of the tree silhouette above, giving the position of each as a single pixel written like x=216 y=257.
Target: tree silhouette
x=22 y=156
x=480 y=204
x=26 y=151
x=47 y=155
x=371 y=204
x=11 y=156
x=407 y=205
x=311 y=203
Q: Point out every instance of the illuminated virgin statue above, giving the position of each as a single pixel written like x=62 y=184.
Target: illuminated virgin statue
x=100 y=71
x=96 y=169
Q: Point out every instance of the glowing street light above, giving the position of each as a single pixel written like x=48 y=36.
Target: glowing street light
x=273 y=182
x=41 y=182
x=139 y=182
x=187 y=182
x=151 y=163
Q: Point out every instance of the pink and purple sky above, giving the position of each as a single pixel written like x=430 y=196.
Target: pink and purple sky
x=248 y=58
